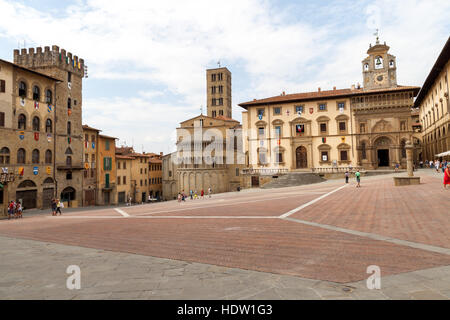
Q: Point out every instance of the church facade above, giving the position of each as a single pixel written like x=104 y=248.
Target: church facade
x=363 y=127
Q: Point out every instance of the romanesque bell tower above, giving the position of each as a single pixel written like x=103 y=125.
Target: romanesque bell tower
x=218 y=92
x=379 y=68
x=68 y=132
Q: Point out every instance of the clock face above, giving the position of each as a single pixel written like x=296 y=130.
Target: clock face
x=379 y=79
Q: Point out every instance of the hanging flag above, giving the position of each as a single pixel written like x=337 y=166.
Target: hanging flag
x=74 y=63
x=49 y=137
x=49 y=108
x=324 y=140
x=36 y=105
x=49 y=170
x=21 y=135
x=21 y=171
x=68 y=60
x=36 y=136
x=79 y=64
x=93 y=145
x=69 y=140
x=60 y=57
x=35 y=171
x=311 y=110
x=279 y=141
x=300 y=128
x=69 y=111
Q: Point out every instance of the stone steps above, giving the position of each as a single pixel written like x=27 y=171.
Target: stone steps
x=292 y=179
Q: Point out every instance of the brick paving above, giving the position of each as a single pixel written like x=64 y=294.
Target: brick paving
x=414 y=213
x=271 y=245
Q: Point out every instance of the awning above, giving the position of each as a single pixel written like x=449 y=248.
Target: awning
x=443 y=154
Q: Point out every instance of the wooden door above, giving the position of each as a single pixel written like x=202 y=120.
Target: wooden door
x=301 y=158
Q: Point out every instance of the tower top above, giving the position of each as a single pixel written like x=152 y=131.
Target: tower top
x=34 y=58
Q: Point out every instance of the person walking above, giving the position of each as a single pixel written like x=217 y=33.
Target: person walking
x=209 y=192
x=59 y=205
x=436 y=165
x=19 y=211
x=202 y=194
x=191 y=193
x=346 y=176
x=447 y=176
x=179 y=197
x=53 y=204
x=358 y=179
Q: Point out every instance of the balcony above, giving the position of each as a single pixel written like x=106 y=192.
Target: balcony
x=108 y=186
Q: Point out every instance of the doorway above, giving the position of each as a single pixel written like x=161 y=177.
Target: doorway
x=383 y=157
x=301 y=158
x=255 y=181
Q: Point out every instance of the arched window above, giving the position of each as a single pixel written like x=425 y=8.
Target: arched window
x=48 y=126
x=21 y=156
x=4 y=155
x=48 y=96
x=22 y=122
x=36 y=124
x=36 y=93
x=35 y=156
x=48 y=157
x=68 y=161
x=22 y=89
x=69 y=103
x=69 y=128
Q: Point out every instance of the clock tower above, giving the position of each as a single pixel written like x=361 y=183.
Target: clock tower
x=379 y=68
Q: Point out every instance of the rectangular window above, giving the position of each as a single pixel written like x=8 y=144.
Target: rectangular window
x=279 y=157
x=260 y=113
x=237 y=172
x=107 y=145
x=107 y=162
x=277 y=111
x=323 y=107
x=342 y=126
x=213 y=77
x=92 y=173
x=107 y=180
x=278 y=131
x=220 y=101
x=118 y=180
x=324 y=156
x=85 y=173
x=261 y=132
x=2 y=86
x=341 y=106
x=124 y=164
x=213 y=102
x=323 y=128
x=299 y=109
x=344 y=156
x=214 y=114
x=2 y=119
x=118 y=164
x=213 y=89
x=141 y=170
x=170 y=173
x=125 y=180
x=86 y=157
x=69 y=77
x=141 y=183
x=220 y=89
x=299 y=129
x=220 y=112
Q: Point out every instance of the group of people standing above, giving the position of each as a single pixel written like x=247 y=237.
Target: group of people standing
x=15 y=210
x=57 y=205
x=193 y=194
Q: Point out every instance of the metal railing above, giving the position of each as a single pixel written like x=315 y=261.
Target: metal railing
x=336 y=169
x=267 y=171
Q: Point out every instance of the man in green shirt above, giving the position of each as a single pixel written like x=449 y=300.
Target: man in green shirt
x=358 y=178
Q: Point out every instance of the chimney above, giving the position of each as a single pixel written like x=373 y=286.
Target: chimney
x=353 y=87
x=284 y=93
x=334 y=88
x=359 y=86
x=319 y=89
x=161 y=154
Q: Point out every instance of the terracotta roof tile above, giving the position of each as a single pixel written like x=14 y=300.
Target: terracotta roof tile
x=317 y=95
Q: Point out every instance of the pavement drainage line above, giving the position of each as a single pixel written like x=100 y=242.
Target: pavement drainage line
x=123 y=213
x=375 y=236
x=287 y=214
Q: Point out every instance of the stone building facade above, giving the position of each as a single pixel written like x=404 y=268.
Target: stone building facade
x=155 y=177
x=363 y=127
x=434 y=106
x=107 y=170
x=218 y=92
x=68 y=133
x=90 y=181
x=27 y=136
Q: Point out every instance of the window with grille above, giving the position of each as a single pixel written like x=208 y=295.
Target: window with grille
x=35 y=156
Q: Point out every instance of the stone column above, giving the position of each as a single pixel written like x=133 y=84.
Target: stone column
x=409 y=158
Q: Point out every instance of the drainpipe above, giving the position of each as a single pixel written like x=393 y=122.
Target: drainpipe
x=55 y=194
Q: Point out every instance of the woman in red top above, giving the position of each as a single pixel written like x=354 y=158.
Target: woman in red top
x=447 y=176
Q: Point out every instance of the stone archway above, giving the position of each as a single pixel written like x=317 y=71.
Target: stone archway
x=383 y=148
x=301 y=157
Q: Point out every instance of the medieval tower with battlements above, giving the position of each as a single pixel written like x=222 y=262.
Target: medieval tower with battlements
x=68 y=132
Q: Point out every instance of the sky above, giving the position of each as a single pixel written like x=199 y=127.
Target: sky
x=147 y=60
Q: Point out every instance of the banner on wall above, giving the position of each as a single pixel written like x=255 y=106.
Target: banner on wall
x=49 y=170
x=21 y=135
x=49 y=137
